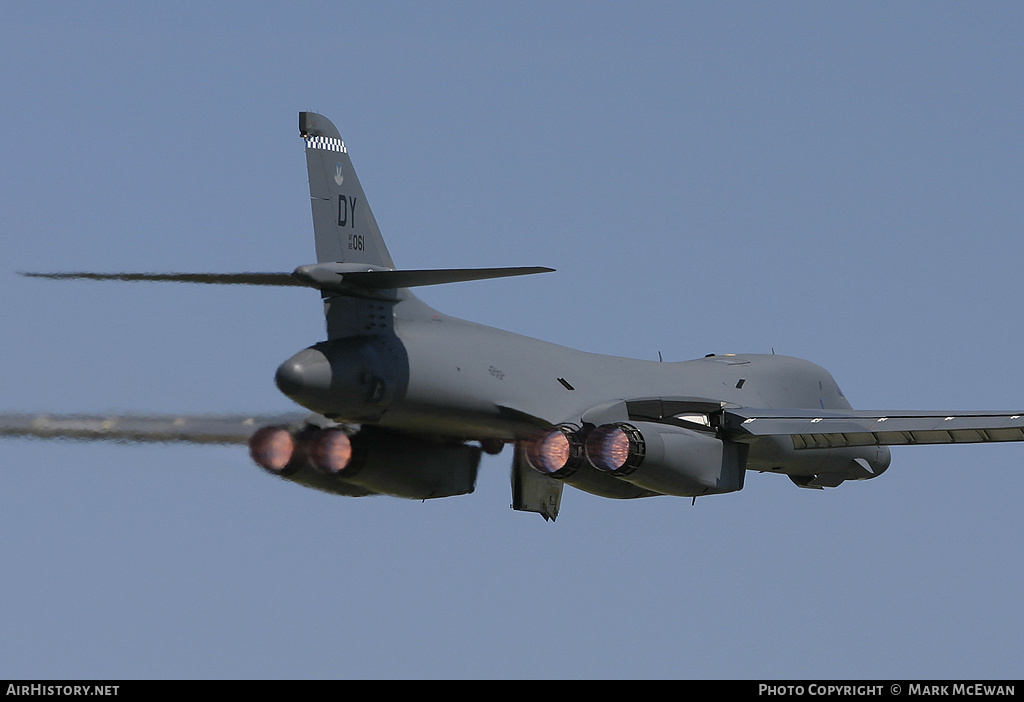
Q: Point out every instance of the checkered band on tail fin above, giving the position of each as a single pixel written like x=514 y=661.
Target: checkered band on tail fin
x=326 y=144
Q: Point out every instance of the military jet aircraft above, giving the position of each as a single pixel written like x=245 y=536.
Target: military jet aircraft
x=402 y=399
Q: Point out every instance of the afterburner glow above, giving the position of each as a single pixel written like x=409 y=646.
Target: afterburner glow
x=608 y=447
x=557 y=452
x=331 y=451
x=549 y=451
x=272 y=448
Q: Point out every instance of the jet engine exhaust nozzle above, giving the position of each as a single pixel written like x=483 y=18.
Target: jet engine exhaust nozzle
x=556 y=452
x=273 y=449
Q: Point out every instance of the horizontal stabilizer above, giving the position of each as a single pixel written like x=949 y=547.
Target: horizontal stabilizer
x=328 y=277
x=827 y=429
x=412 y=279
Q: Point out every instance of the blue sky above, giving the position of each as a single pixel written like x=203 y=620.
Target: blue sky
x=839 y=182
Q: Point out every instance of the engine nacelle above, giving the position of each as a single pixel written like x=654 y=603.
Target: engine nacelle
x=371 y=461
x=558 y=453
x=285 y=453
x=667 y=459
x=406 y=466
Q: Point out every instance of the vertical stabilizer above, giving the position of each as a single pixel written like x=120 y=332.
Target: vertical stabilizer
x=345 y=229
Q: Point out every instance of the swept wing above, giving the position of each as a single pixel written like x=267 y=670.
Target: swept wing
x=810 y=429
x=132 y=428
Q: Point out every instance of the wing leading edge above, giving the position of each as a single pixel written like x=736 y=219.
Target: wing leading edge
x=811 y=429
x=213 y=429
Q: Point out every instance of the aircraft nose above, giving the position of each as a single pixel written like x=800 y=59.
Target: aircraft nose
x=307 y=371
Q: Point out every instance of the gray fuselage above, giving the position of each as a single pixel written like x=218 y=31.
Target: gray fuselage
x=402 y=365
